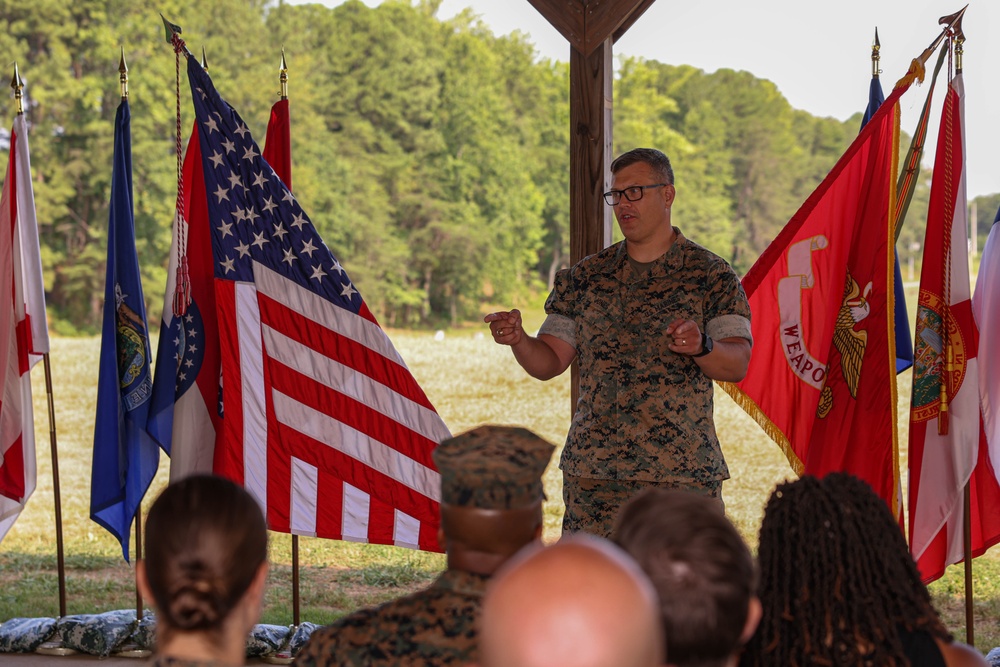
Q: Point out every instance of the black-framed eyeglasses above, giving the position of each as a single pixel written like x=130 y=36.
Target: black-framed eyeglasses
x=633 y=193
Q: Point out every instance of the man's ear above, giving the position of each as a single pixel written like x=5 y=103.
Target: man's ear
x=668 y=195
x=754 y=612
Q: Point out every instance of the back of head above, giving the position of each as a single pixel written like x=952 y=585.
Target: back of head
x=657 y=160
x=491 y=494
x=702 y=569
x=205 y=541
x=582 y=603
x=838 y=583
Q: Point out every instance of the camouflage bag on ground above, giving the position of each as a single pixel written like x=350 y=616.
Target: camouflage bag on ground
x=266 y=639
x=300 y=637
x=96 y=634
x=145 y=632
x=24 y=635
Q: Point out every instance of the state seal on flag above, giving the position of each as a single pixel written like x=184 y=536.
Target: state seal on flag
x=930 y=362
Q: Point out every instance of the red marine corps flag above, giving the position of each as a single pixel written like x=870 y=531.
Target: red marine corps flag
x=821 y=381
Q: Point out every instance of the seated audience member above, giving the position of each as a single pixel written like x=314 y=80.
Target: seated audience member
x=204 y=569
x=702 y=570
x=839 y=587
x=491 y=506
x=582 y=602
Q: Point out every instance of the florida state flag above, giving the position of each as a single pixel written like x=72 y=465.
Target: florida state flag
x=948 y=446
x=822 y=379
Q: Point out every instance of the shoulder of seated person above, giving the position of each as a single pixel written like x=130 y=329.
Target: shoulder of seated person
x=957 y=654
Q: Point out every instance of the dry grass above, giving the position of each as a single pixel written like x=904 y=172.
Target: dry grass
x=471 y=381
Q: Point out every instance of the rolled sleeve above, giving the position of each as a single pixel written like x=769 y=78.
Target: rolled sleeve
x=561 y=327
x=729 y=326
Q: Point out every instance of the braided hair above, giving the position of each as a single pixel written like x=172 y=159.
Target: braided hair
x=837 y=582
x=205 y=541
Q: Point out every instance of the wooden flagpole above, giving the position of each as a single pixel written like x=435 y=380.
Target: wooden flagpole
x=296 y=600
x=17 y=85
x=123 y=81
x=138 y=557
x=60 y=554
x=955 y=21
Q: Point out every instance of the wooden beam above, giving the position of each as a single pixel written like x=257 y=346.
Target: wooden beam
x=638 y=10
x=587 y=23
x=608 y=18
x=566 y=16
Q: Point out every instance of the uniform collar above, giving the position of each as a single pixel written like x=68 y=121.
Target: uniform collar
x=664 y=265
x=460 y=581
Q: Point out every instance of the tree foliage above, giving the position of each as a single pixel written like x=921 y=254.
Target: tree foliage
x=432 y=155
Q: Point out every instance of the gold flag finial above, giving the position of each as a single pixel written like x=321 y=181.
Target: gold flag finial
x=283 y=76
x=875 y=56
x=17 y=84
x=123 y=75
x=204 y=59
x=916 y=71
x=954 y=21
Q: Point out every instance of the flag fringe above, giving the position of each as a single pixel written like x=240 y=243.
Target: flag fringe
x=770 y=428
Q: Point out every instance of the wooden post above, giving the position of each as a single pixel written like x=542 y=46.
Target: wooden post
x=591 y=27
x=590 y=117
x=56 y=496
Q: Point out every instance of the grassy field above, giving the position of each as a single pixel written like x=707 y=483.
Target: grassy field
x=471 y=381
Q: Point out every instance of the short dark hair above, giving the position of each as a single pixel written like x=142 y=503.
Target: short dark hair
x=702 y=569
x=838 y=583
x=206 y=538
x=657 y=160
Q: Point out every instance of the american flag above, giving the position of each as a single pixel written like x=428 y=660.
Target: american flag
x=322 y=421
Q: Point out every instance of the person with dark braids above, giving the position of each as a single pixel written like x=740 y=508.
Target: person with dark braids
x=839 y=587
x=204 y=570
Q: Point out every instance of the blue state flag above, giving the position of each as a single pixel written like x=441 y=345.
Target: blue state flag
x=125 y=457
x=904 y=342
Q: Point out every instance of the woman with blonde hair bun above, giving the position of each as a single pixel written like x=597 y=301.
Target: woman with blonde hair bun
x=204 y=570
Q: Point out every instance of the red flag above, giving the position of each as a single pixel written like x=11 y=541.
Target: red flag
x=24 y=335
x=821 y=381
x=184 y=412
x=278 y=142
x=322 y=421
x=948 y=446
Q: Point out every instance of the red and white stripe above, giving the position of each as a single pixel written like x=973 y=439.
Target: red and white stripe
x=24 y=335
x=323 y=419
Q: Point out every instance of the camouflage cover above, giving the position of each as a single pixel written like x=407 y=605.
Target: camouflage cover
x=24 y=635
x=266 y=639
x=301 y=636
x=96 y=634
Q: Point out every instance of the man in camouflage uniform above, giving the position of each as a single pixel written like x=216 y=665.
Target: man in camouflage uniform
x=491 y=506
x=653 y=320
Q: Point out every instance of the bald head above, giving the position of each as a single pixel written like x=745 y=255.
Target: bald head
x=582 y=602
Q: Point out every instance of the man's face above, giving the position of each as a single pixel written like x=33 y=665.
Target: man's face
x=649 y=218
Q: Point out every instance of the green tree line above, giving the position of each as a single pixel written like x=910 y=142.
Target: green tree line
x=432 y=155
